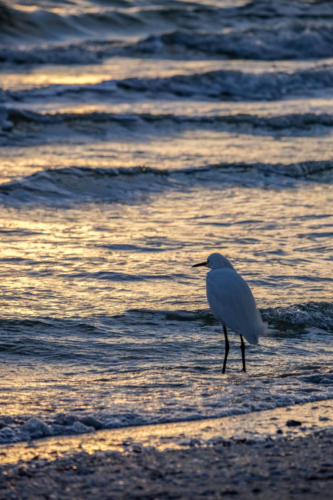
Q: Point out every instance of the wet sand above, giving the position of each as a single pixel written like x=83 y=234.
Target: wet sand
x=188 y=460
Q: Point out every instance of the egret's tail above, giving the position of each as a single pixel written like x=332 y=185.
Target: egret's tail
x=259 y=330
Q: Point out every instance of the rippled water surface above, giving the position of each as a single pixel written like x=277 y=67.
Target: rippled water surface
x=136 y=138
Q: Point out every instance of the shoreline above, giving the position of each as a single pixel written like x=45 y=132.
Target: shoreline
x=281 y=453
x=291 y=422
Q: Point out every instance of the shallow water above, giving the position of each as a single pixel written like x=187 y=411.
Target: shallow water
x=136 y=138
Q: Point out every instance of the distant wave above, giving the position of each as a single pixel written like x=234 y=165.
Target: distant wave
x=84 y=184
x=263 y=9
x=71 y=53
x=80 y=184
x=291 y=43
x=298 y=20
x=120 y=16
x=221 y=84
x=294 y=123
x=229 y=85
x=50 y=25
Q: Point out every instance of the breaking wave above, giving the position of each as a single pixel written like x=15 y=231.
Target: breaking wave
x=127 y=185
x=302 y=30
x=220 y=84
x=301 y=316
x=304 y=316
x=292 y=124
x=293 y=42
x=51 y=25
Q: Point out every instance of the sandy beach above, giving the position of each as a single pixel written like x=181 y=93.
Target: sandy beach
x=204 y=459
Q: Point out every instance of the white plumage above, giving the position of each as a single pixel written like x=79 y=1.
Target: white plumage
x=232 y=302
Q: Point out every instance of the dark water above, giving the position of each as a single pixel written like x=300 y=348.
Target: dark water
x=136 y=138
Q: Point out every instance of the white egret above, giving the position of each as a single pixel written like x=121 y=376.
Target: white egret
x=232 y=303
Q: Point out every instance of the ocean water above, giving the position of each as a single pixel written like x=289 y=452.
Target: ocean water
x=137 y=137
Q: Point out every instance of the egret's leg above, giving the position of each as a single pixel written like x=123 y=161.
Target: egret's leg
x=243 y=352
x=226 y=348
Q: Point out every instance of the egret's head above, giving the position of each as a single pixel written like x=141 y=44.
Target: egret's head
x=215 y=261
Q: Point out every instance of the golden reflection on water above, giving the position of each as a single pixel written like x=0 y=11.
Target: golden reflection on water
x=174 y=150
x=117 y=69
x=90 y=260
x=36 y=79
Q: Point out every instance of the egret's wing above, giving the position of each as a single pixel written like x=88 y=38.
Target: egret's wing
x=232 y=302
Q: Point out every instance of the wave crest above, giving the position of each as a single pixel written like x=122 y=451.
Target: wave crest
x=220 y=84
x=293 y=42
x=296 y=123
x=126 y=185
x=293 y=318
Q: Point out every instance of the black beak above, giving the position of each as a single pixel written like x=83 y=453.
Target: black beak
x=201 y=264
